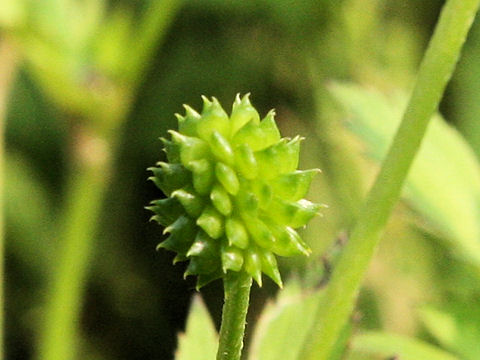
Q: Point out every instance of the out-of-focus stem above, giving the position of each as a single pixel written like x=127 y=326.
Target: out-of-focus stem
x=88 y=180
x=435 y=71
x=89 y=176
x=8 y=62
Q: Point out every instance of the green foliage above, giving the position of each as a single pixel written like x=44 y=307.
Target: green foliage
x=456 y=328
x=242 y=196
x=200 y=340
x=391 y=345
x=435 y=71
x=29 y=216
x=81 y=51
x=273 y=337
x=93 y=80
x=444 y=182
x=81 y=63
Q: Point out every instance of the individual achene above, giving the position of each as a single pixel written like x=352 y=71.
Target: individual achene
x=234 y=194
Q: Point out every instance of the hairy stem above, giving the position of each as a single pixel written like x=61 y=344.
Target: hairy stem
x=435 y=71
x=237 y=296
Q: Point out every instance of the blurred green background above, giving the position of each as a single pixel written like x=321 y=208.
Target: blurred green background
x=89 y=86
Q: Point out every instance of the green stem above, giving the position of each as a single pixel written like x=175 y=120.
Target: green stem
x=85 y=190
x=435 y=71
x=8 y=62
x=237 y=294
x=155 y=22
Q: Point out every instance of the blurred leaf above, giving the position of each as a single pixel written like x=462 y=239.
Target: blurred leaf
x=457 y=330
x=444 y=182
x=12 y=13
x=152 y=27
x=88 y=57
x=389 y=345
x=200 y=340
x=50 y=19
x=283 y=325
x=29 y=217
x=85 y=18
x=113 y=41
x=465 y=84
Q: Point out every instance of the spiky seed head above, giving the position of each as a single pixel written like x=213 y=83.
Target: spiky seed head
x=234 y=194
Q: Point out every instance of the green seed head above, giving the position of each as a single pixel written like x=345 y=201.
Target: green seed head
x=234 y=194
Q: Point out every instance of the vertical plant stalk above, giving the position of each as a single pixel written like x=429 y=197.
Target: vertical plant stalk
x=85 y=189
x=435 y=71
x=86 y=186
x=156 y=21
x=237 y=295
x=8 y=62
